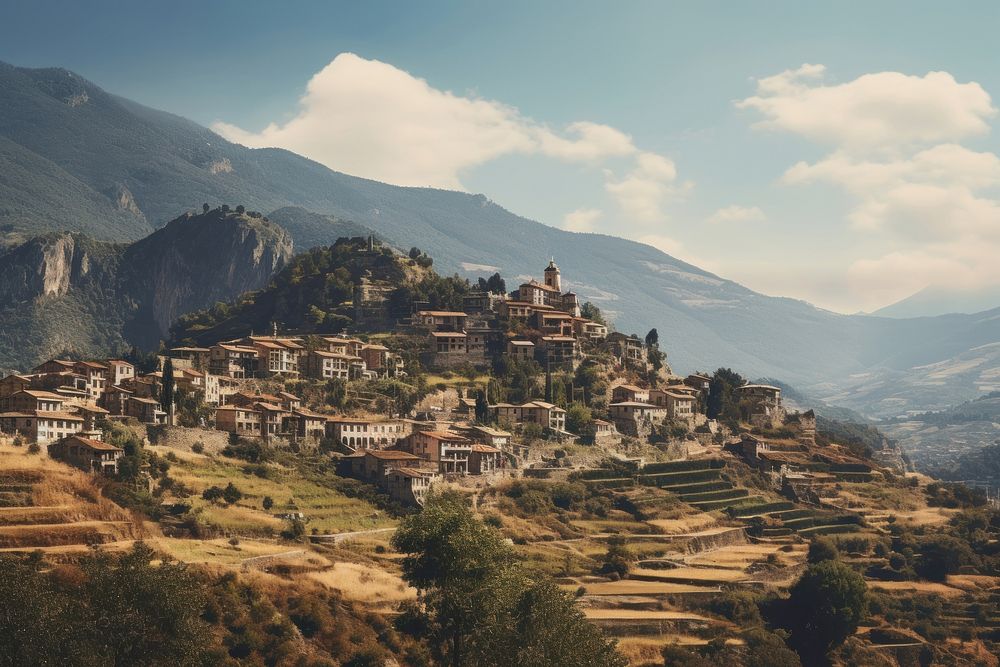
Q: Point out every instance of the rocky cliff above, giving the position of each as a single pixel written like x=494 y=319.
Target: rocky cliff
x=195 y=261
x=66 y=293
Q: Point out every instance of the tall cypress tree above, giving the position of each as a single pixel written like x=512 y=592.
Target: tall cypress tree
x=167 y=390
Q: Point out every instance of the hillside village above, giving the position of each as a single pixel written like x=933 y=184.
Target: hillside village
x=656 y=499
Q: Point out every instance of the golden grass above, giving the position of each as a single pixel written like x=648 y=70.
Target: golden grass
x=606 y=526
x=65 y=534
x=634 y=587
x=67 y=506
x=646 y=650
x=917 y=586
x=365 y=584
x=706 y=575
x=687 y=524
x=219 y=551
x=929 y=516
x=643 y=615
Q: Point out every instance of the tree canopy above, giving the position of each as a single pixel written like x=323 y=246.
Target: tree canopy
x=481 y=608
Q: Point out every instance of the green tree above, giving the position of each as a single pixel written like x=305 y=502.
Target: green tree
x=592 y=312
x=167 y=388
x=482 y=408
x=141 y=614
x=578 y=418
x=482 y=610
x=723 y=396
x=821 y=549
x=231 y=494
x=652 y=338
x=941 y=555
x=415 y=252
x=825 y=606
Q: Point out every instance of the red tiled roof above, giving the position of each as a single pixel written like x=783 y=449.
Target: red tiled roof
x=391 y=455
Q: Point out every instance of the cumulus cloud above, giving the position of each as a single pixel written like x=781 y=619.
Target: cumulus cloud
x=581 y=220
x=737 y=213
x=895 y=152
x=371 y=119
x=643 y=192
x=879 y=110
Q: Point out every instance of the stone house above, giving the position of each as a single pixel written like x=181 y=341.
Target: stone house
x=146 y=410
x=244 y=421
x=679 y=405
x=637 y=419
x=761 y=404
x=324 y=365
x=13 y=384
x=409 y=486
x=484 y=460
x=41 y=426
x=120 y=371
x=377 y=461
x=448 y=451
x=547 y=415
x=629 y=350
x=441 y=320
x=588 y=329
x=358 y=433
x=521 y=350
x=629 y=393
x=276 y=356
x=558 y=351
x=86 y=453
x=197 y=358
x=234 y=361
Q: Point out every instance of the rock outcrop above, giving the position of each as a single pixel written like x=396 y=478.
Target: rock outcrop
x=65 y=292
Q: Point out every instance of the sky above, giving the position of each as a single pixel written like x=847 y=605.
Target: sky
x=843 y=154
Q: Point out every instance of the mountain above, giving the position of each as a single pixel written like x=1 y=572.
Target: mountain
x=315 y=229
x=128 y=169
x=66 y=293
x=932 y=301
x=935 y=441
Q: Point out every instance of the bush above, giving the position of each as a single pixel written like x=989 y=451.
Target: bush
x=941 y=555
x=198 y=447
x=825 y=607
x=34 y=448
x=231 y=494
x=267 y=503
x=822 y=549
x=617 y=559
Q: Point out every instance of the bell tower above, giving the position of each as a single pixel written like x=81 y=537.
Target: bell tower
x=552 y=278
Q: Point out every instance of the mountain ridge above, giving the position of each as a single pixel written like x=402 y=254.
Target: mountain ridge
x=168 y=164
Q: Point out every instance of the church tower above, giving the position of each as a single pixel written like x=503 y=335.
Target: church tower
x=552 y=278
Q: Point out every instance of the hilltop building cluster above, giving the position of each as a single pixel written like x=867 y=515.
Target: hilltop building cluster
x=242 y=382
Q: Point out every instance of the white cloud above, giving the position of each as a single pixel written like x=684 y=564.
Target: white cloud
x=737 y=213
x=374 y=120
x=874 y=111
x=895 y=153
x=643 y=192
x=581 y=220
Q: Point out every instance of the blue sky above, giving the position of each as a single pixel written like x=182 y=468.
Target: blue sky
x=850 y=185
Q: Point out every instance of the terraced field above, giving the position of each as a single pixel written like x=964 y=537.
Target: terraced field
x=48 y=506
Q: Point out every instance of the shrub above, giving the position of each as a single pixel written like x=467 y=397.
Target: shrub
x=825 y=607
x=822 y=549
x=267 y=503
x=617 y=559
x=231 y=494
x=34 y=448
x=198 y=447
